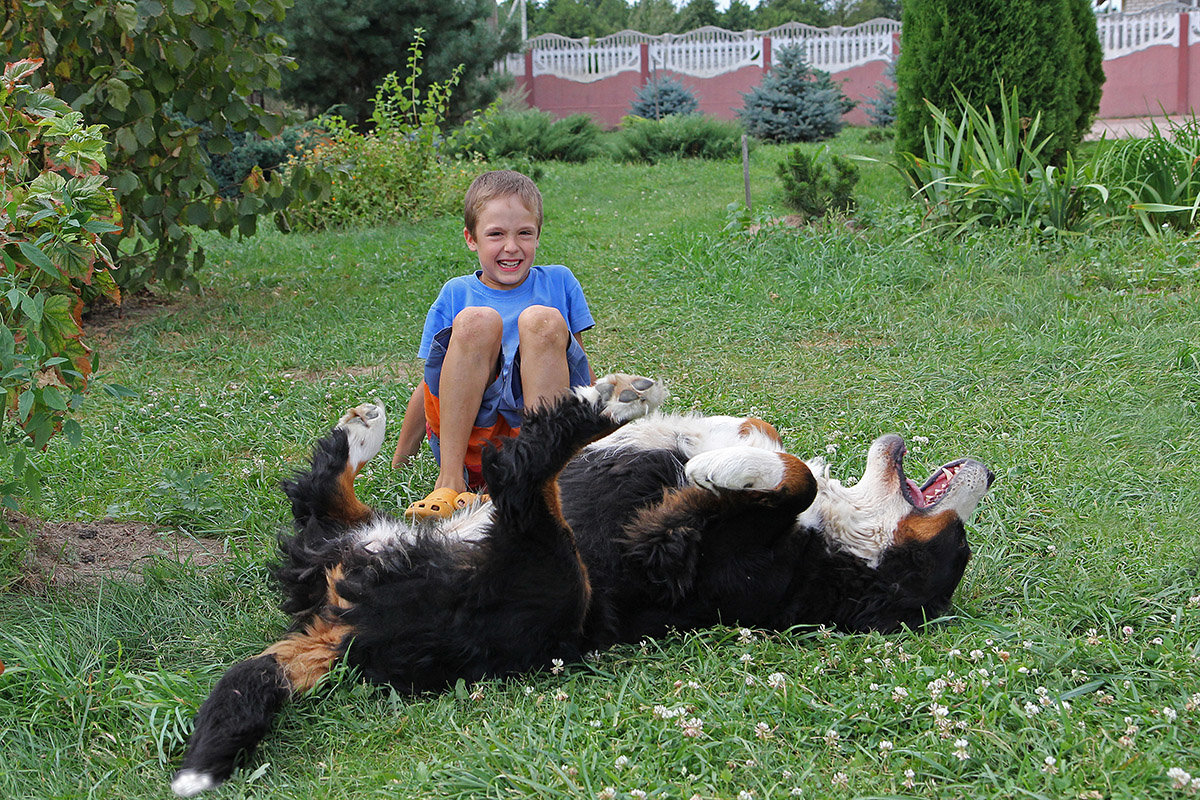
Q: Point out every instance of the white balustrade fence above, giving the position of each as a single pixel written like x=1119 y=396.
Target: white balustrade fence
x=708 y=52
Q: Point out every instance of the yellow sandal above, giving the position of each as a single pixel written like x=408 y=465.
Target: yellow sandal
x=439 y=504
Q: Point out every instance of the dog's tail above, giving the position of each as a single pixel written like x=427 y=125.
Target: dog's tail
x=239 y=711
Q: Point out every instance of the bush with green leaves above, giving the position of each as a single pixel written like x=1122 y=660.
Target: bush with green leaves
x=132 y=66
x=535 y=135
x=1048 y=50
x=685 y=136
x=816 y=182
x=980 y=170
x=56 y=207
x=1157 y=176
x=663 y=96
x=794 y=103
x=250 y=150
x=397 y=171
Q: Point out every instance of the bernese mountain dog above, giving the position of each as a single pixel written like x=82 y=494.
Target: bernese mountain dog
x=596 y=532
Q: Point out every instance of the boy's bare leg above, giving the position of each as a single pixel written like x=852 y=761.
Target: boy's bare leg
x=544 y=371
x=469 y=366
x=412 y=429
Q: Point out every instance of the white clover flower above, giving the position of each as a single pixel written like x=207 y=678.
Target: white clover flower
x=622 y=762
x=692 y=727
x=638 y=793
x=762 y=730
x=744 y=795
x=1050 y=765
x=960 y=749
x=899 y=694
x=746 y=636
x=746 y=658
x=607 y=793
x=885 y=747
x=1032 y=709
x=1169 y=714
x=777 y=680
x=561 y=696
x=909 y=778
x=840 y=779
x=976 y=655
x=1179 y=778
x=556 y=666
x=477 y=694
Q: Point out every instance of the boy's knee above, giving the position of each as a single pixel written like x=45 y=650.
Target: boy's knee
x=543 y=326
x=478 y=324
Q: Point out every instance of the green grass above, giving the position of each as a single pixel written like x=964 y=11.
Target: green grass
x=1072 y=367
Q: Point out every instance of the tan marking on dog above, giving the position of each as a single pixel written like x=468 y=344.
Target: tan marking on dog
x=919 y=528
x=797 y=477
x=553 y=498
x=349 y=508
x=753 y=424
x=308 y=655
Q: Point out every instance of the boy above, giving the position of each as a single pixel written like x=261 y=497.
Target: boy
x=496 y=343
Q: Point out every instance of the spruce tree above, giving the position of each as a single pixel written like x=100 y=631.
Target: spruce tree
x=1036 y=47
x=794 y=103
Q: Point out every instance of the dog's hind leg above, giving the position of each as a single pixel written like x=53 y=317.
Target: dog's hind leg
x=239 y=711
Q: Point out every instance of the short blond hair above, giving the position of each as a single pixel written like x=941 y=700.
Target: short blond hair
x=500 y=183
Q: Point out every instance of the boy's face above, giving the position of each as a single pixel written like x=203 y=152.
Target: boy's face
x=506 y=239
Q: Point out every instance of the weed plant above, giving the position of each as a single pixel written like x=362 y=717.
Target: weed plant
x=537 y=136
x=1069 y=666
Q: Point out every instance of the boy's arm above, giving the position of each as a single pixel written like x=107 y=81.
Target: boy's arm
x=412 y=429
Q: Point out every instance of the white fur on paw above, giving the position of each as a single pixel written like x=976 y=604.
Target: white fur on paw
x=738 y=468
x=365 y=426
x=625 y=397
x=189 y=783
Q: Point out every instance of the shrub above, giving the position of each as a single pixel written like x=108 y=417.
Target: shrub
x=230 y=170
x=794 y=103
x=1048 y=49
x=57 y=205
x=395 y=172
x=881 y=109
x=532 y=134
x=130 y=65
x=663 y=97
x=816 y=183
x=687 y=136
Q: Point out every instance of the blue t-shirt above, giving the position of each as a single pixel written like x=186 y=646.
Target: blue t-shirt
x=553 y=286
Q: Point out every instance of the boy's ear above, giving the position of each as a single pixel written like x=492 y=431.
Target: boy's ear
x=471 y=243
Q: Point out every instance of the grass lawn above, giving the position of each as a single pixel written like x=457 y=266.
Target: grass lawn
x=1069 y=669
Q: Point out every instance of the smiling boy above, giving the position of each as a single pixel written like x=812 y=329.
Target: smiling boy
x=496 y=343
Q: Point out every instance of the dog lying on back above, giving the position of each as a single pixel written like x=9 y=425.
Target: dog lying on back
x=595 y=534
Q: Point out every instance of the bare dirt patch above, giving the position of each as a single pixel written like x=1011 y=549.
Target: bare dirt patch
x=64 y=554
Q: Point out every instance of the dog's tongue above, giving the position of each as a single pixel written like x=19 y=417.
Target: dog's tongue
x=917 y=495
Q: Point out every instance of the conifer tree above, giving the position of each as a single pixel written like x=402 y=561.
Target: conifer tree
x=1039 y=48
x=794 y=103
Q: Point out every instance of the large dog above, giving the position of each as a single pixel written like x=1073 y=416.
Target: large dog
x=595 y=534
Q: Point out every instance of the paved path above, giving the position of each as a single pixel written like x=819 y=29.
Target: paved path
x=1130 y=127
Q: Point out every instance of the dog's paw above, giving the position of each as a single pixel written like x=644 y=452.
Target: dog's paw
x=365 y=426
x=625 y=397
x=738 y=468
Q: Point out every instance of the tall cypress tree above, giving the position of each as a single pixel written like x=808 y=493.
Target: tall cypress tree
x=1035 y=47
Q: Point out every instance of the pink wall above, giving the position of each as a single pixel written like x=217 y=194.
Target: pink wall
x=1149 y=82
x=609 y=99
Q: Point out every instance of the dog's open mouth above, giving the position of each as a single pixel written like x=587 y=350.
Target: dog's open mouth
x=935 y=488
